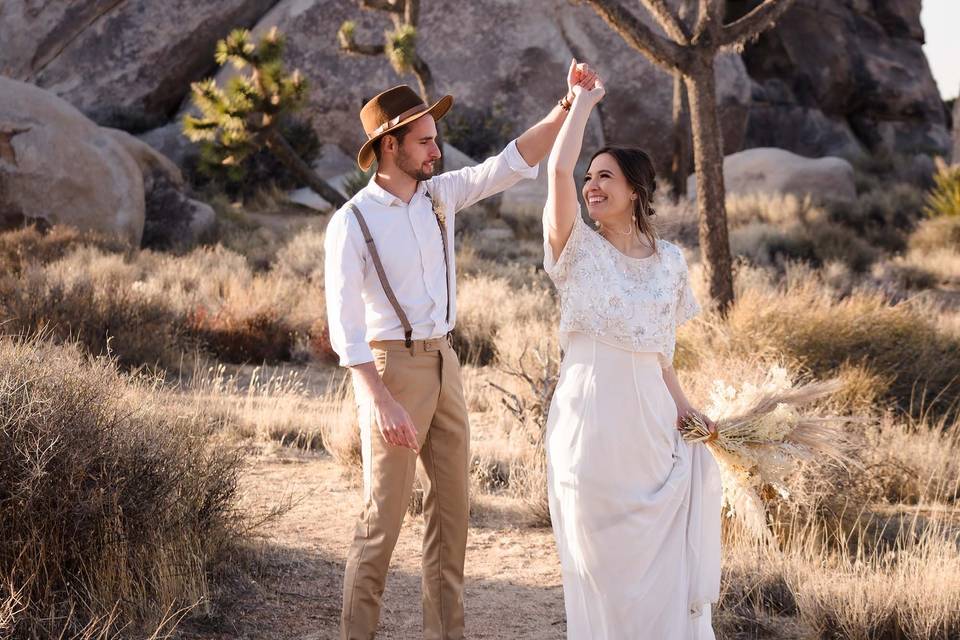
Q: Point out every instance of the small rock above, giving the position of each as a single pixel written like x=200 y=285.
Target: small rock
x=308 y=198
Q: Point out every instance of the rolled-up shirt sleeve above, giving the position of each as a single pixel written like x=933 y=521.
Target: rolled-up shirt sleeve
x=344 y=263
x=466 y=186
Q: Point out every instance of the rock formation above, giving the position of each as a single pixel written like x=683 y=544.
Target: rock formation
x=840 y=76
x=59 y=167
x=770 y=171
x=124 y=64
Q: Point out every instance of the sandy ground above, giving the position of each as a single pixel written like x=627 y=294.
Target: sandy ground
x=290 y=583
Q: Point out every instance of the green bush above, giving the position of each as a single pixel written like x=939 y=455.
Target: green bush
x=261 y=170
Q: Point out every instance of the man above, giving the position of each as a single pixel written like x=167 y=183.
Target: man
x=391 y=302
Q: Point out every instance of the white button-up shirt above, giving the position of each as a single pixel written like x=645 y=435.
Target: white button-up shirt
x=408 y=241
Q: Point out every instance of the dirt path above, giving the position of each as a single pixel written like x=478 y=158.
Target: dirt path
x=291 y=584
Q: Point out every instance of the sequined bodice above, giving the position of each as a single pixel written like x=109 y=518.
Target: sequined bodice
x=632 y=303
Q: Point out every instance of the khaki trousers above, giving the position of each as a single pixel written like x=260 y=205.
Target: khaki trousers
x=425 y=380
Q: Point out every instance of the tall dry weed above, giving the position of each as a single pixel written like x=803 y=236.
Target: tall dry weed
x=803 y=321
x=113 y=505
x=150 y=308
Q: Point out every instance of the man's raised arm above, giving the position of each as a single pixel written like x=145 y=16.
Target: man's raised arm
x=520 y=158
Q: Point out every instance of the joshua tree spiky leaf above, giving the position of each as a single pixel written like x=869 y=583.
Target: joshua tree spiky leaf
x=401 y=48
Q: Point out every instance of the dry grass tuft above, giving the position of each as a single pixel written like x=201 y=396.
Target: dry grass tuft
x=910 y=591
x=937 y=233
x=150 y=308
x=804 y=322
x=113 y=505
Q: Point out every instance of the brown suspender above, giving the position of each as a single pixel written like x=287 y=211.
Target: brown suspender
x=387 y=289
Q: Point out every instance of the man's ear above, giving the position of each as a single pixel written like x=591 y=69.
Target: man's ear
x=388 y=143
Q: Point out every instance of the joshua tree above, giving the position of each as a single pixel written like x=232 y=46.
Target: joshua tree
x=399 y=46
x=692 y=53
x=244 y=118
x=680 y=162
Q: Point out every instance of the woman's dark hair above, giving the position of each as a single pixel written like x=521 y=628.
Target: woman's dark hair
x=638 y=169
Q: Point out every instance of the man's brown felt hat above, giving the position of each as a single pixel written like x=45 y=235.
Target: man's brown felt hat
x=391 y=110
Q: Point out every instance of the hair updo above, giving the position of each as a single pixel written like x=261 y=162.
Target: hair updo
x=637 y=168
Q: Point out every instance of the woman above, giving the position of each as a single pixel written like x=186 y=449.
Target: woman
x=635 y=509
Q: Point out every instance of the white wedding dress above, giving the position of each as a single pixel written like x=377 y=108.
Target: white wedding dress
x=635 y=509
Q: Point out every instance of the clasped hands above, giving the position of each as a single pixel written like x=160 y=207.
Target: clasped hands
x=583 y=80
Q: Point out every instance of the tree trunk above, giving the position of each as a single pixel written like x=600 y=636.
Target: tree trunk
x=286 y=155
x=708 y=159
x=427 y=92
x=680 y=164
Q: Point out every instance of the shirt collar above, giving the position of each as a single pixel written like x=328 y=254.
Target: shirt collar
x=386 y=198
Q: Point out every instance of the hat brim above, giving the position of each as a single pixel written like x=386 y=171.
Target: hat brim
x=366 y=156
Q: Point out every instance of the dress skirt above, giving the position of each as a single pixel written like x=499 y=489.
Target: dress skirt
x=635 y=509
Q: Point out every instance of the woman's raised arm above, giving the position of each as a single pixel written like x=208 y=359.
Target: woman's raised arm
x=561 y=206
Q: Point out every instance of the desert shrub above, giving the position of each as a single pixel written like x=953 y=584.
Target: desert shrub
x=338 y=424
x=803 y=321
x=32 y=245
x=535 y=374
x=111 y=506
x=477 y=132
x=765 y=244
x=884 y=217
x=260 y=337
x=260 y=404
x=302 y=255
x=495 y=319
x=770 y=227
x=771 y=230
x=937 y=233
x=904 y=348
x=777 y=209
x=909 y=461
x=880 y=169
x=944 y=198
x=910 y=591
x=150 y=308
x=474 y=337
x=752 y=587
x=520 y=265
x=88 y=297
x=903 y=274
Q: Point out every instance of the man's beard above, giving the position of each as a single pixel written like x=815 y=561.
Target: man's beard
x=417 y=173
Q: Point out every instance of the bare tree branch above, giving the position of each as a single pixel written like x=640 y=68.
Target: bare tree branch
x=382 y=5
x=754 y=23
x=709 y=21
x=666 y=19
x=661 y=51
x=362 y=49
x=424 y=78
x=411 y=12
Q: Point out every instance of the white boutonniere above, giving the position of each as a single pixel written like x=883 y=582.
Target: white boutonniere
x=438 y=210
